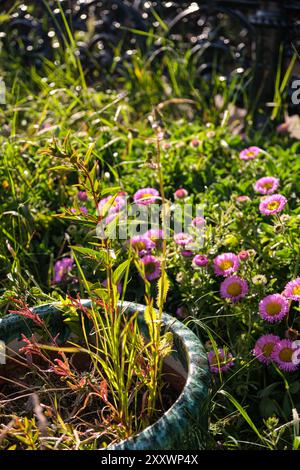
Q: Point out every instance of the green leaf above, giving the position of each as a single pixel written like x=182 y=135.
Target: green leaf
x=295 y=387
x=150 y=317
x=296 y=443
x=89 y=153
x=62 y=168
x=268 y=408
x=265 y=392
x=246 y=417
x=111 y=190
x=89 y=252
x=163 y=288
x=120 y=271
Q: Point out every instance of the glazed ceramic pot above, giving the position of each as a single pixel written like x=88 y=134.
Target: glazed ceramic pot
x=185 y=424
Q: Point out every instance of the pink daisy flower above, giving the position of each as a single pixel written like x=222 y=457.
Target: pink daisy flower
x=282 y=128
x=198 y=221
x=82 y=209
x=141 y=244
x=152 y=267
x=82 y=195
x=243 y=255
x=146 y=196
x=166 y=145
x=110 y=218
x=284 y=355
x=233 y=288
x=272 y=204
x=195 y=143
x=182 y=311
x=111 y=204
x=220 y=360
x=264 y=347
x=273 y=308
x=250 y=153
x=182 y=239
x=200 y=260
x=292 y=289
x=226 y=264
x=180 y=193
x=187 y=253
x=266 y=185
x=156 y=236
x=243 y=198
x=62 y=268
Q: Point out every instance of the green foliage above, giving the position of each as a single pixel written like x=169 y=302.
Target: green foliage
x=58 y=136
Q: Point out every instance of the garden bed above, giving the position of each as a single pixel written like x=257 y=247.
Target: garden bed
x=80 y=158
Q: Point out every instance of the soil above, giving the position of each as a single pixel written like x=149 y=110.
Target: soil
x=25 y=393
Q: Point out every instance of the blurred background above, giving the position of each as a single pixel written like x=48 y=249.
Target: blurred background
x=251 y=43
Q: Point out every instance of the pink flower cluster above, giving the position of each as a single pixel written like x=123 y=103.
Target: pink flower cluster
x=250 y=153
x=233 y=287
x=283 y=352
x=271 y=203
x=270 y=348
x=185 y=241
x=144 y=245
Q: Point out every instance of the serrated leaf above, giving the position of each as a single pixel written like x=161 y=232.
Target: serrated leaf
x=163 y=288
x=150 y=316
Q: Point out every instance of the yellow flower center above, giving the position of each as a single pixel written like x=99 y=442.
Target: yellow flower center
x=267 y=349
x=296 y=290
x=234 y=289
x=150 y=268
x=286 y=354
x=268 y=185
x=146 y=196
x=139 y=246
x=273 y=205
x=226 y=264
x=250 y=154
x=216 y=360
x=273 y=308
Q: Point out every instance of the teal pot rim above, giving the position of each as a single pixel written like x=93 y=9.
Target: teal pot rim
x=188 y=413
